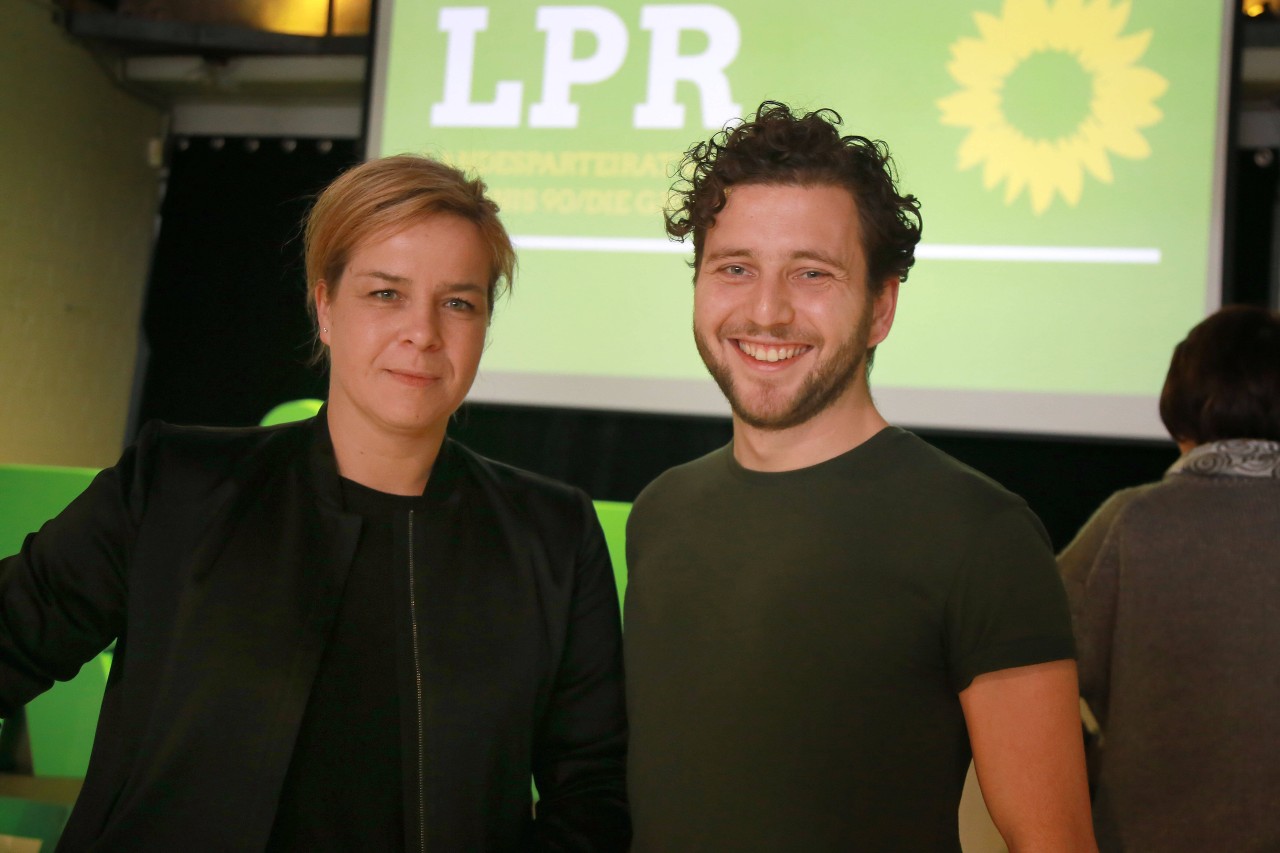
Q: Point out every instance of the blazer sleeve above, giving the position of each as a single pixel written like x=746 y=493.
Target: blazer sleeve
x=579 y=761
x=63 y=595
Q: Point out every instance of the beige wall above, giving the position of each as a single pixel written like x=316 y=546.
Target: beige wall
x=77 y=207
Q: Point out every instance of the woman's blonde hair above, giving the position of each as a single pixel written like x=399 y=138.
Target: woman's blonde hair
x=387 y=195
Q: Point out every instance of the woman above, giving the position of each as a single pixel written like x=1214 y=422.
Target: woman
x=350 y=633
x=1175 y=593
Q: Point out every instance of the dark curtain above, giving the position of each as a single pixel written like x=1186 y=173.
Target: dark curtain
x=225 y=329
x=1250 y=243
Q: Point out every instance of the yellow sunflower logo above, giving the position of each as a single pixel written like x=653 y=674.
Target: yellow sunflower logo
x=1050 y=90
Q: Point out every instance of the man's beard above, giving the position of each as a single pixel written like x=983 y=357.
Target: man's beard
x=825 y=383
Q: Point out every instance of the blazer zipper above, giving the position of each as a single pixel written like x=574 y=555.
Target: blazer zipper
x=417 y=683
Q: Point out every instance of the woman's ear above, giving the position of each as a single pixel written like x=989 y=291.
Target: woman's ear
x=322 y=310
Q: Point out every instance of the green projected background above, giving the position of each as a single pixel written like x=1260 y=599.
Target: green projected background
x=1065 y=153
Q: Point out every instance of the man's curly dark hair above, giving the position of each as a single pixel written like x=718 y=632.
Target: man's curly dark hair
x=780 y=147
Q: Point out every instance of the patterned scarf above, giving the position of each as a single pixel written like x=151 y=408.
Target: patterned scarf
x=1234 y=457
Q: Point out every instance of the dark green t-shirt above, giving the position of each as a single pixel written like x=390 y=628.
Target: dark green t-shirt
x=795 y=644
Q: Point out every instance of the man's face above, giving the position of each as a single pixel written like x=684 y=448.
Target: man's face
x=782 y=313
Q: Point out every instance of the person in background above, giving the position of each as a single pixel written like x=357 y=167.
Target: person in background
x=349 y=633
x=826 y=615
x=1175 y=595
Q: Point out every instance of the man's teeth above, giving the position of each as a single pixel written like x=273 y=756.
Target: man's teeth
x=766 y=353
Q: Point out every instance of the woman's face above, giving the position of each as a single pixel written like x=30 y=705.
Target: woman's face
x=405 y=327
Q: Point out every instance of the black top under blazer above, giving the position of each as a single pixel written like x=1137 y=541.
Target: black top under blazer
x=215 y=558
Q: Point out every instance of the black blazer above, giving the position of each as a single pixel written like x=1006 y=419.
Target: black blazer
x=216 y=558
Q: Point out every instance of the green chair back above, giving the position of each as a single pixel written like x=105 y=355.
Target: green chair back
x=32 y=494
x=294 y=410
x=613 y=518
x=60 y=722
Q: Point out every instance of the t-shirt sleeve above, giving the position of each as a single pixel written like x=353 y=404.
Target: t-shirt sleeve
x=1007 y=607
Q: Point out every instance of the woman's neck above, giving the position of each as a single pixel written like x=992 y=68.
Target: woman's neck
x=391 y=462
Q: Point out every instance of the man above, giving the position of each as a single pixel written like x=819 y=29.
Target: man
x=826 y=616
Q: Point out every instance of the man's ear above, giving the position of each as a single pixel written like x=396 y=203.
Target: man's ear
x=883 y=308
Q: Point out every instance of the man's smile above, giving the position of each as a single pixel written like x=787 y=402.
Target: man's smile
x=770 y=352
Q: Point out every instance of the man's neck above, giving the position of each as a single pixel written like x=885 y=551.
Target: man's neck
x=825 y=436
x=386 y=462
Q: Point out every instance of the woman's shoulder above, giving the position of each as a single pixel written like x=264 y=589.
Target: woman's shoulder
x=1084 y=548
x=1122 y=500
x=167 y=453
x=516 y=486
x=202 y=443
x=524 y=497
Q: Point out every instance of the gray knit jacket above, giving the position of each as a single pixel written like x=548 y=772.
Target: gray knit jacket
x=1175 y=597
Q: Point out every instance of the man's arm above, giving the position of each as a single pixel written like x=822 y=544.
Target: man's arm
x=1024 y=725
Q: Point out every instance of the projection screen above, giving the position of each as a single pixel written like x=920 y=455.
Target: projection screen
x=1068 y=155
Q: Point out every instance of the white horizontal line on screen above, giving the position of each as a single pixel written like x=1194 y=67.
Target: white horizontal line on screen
x=644 y=245
x=1049 y=254
x=935 y=251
